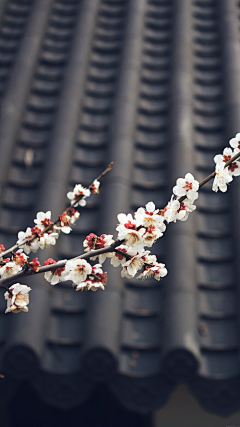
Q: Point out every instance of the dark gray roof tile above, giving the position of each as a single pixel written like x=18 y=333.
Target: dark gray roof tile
x=213 y=225
x=215 y=250
x=142 y=302
x=222 y=364
x=216 y=338
x=215 y=276
x=208 y=141
x=92 y=139
x=217 y=305
x=60 y=357
x=133 y=362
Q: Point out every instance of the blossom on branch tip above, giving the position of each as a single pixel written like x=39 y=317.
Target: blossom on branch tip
x=235 y=143
x=76 y=270
x=187 y=186
x=95 y=186
x=222 y=178
x=234 y=167
x=78 y=191
x=17 y=298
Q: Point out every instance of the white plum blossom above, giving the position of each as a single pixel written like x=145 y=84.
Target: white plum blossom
x=43 y=220
x=20 y=258
x=151 y=234
x=64 y=224
x=235 y=143
x=186 y=207
x=222 y=178
x=96 y=280
x=17 y=298
x=74 y=217
x=77 y=270
x=95 y=186
x=66 y=219
x=23 y=243
x=119 y=259
x=91 y=285
x=170 y=211
x=149 y=216
x=47 y=239
x=127 y=230
x=39 y=240
x=157 y=271
x=234 y=167
x=132 y=265
x=78 y=191
x=54 y=276
x=187 y=186
x=82 y=285
x=148 y=258
x=9 y=269
x=93 y=242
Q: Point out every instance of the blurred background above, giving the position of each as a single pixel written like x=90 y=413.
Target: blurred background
x=154 y=86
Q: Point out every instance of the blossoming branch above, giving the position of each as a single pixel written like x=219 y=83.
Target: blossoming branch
x=135 y=233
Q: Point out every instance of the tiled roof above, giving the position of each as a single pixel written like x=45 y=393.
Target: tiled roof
x=154 y=86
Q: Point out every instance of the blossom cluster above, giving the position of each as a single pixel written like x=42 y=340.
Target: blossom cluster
x=136 y=234
x=17 y=298
x=42 y=235
x=224 y=174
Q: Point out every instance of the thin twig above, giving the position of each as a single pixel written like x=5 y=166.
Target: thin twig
x=50 y=226
x=6 y=287
x=103 y=173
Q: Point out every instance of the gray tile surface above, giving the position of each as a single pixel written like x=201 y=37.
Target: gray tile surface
x=153 y=85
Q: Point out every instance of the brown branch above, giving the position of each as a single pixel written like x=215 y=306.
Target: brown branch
x=127 y=256
x=103 y=173
x=59 y=264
